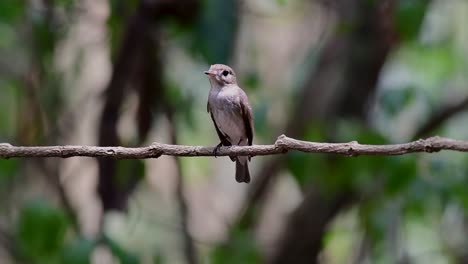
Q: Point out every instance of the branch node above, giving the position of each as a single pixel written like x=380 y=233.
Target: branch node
x=5 y=145
x=430 y=146
x=281 y=143
x=155 y=148
x=65 y=153
x=351 y=150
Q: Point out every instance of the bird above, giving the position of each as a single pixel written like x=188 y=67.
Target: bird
x=232 y=115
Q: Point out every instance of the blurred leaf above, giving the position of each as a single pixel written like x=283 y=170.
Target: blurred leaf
x=358 y=172
x=373 y=218
x=435 y=63
x=7 y=35
x=116 y=23
x=64 y=3
x=332 y=173
x=158 y=259
x=409 y=17
x=52 y=96
x=400 y=171
x=241 y=249
x=261 y=124
x=79 y=252
x=174 y=94
x=11 y=10
x=45 y=37
x=346 y=130
x=460 y=194
x=215 y=30
x=181 y=103
x=418 y=194
x=128 y=170
x=10 y=93
x=252 y=81
x=394 y=101
x=41 y=229
x=304 y=166
x=8 y=169
x=120 y=253
x=282 y=2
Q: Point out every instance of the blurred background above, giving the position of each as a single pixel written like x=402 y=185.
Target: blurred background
x=130 y=72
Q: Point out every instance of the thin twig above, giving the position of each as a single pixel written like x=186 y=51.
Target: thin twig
x=282 y=145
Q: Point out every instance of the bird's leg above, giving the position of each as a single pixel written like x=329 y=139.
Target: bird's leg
x=215 y=151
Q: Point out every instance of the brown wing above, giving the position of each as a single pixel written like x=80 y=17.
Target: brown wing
x=247 y=117
x=223 y=138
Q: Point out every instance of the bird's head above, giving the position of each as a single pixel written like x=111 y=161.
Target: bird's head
x=221 y=74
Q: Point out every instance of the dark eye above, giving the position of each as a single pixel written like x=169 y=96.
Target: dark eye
x=225 y=73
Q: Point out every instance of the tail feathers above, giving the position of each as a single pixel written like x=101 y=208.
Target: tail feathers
x=242 y=172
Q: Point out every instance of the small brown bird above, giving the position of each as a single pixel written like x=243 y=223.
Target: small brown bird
x=231 y=114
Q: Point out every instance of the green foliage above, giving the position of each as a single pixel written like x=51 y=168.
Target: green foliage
x=7 y=36
x=251 y=81
x=120 y=11
x=436 y=63
x=120 y=253
x=212 y=35
x=260 y=111
x=409 y=17
x=158 y=259
x=41 y=230
x=41 y=237
x=281 y=2
x=215 y=30
x=399 y=173
x=8 y=169
x=11 y=10
x=52 y=97
x=10 y=92
x=304 y=167
x=393 y=101
x=128 y=170
x=78 y=252
x=64 y=3
x=332 y=172
x=241 y=249
x=182 y=104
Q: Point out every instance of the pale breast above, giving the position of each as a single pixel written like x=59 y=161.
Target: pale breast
x=227 y=113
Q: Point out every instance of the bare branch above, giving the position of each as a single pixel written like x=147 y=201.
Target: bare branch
x=282 y=145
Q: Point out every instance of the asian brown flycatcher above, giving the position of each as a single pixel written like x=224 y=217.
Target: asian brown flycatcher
x=231 y=113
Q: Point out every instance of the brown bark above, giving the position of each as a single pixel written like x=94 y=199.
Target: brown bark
x=282 y=145
x=137 y=59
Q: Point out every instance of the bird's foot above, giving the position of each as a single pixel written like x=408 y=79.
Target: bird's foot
x=215 y=151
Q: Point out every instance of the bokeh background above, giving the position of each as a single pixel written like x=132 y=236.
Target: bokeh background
x=130 y=72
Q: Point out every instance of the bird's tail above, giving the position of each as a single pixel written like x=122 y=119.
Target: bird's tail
x=242 y=170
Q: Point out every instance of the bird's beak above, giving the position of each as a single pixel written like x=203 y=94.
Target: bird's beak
x=210 y=73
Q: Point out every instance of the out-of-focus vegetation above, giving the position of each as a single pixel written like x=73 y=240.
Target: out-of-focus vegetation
x=129 y=72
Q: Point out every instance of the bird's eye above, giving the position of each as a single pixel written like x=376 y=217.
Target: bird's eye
x=225 y=73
